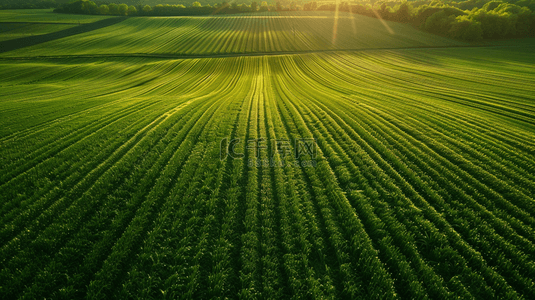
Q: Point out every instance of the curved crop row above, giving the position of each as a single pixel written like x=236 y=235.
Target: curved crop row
x=420 y=186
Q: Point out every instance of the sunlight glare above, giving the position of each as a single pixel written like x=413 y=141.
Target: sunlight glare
x=222 y=6
x=383 y=21
x=352 y=20
x=335 y=27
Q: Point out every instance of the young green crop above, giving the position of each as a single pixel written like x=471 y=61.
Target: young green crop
x=112 y=183
x=311 y=31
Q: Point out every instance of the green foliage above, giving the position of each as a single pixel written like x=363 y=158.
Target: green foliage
x=464 y=28
x=505 y=20
x=521 y=16
x=496 y=19
x=264 y=6
x=402 y=12
x=123 y=9
x=88 y=7
x=311 y=5
x=27 y=4
x=439 y=22
x=114 y=9
x=103 y=9
x=489 y=6
x=132 y=10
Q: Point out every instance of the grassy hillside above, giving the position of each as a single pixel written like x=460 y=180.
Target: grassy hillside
x=238 y=34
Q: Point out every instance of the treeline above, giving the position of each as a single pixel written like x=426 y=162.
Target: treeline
x=27 y=4
x=468 y=20
x=495 y=20
x=90 y=7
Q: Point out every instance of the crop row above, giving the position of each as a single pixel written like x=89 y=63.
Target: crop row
x=238 y=34
x=415 y=192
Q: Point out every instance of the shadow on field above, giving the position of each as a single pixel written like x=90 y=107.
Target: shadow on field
x=15 y=44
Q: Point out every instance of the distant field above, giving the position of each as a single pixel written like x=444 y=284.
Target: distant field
x=22 y=23
x=239 y=34
x=10 y=31
x=45 y=16
x=420 y=183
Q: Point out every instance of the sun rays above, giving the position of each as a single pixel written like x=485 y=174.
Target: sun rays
x=383 y=21
x=335 y=26
x=353 y=24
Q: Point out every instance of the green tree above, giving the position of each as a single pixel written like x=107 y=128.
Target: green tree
x=523 y=3
x=293 y=5
x=123 y=9
x=465 y=28
x=132 y=10
x=519 y=16
x=90 y=7
x=159 y=9
x=114 y=9
x=254 y=6
x=147 y=9
x=196 y=4
x=439 y=22
x=103 y=9
x=383 y=9
x=264 y=6
x=491 y=5
x=495 y=24
x=403 y=12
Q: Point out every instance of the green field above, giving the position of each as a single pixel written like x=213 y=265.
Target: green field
x=10 y=31
x=112 y=186
x=15 y=24
x=205 y=35
x=45 y=16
